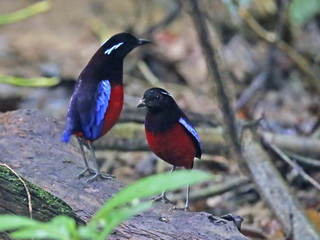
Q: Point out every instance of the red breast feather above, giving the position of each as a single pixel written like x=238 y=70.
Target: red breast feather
x=173 y=146
x=114 y=108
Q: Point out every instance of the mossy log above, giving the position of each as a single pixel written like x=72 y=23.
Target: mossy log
x=14 y=198
x=30 y=144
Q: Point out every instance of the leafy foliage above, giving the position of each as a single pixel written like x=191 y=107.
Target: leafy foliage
x=125 y=204
x=301 y=11
x=27 y=12
x=29 y=82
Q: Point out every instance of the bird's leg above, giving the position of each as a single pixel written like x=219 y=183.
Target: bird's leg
x=163 y=197
x=187 y=198
x=87 y=169
x=97 y=172
x=186 y=207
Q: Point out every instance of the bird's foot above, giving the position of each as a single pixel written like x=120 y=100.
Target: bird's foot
x=101 y=175
x=95 y=174
x=162 y=199
x=89 y=170
x=180 y=209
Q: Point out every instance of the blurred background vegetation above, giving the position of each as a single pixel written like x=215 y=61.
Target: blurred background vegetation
x=269 y=54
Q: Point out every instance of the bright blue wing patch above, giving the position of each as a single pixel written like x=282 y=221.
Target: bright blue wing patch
x=102 y=101
x=190 y=128
x=66 y=136
x=92 y=129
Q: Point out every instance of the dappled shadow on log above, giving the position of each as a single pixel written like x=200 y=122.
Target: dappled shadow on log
x=30 y=144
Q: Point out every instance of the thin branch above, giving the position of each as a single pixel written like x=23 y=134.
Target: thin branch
x=210 y=54
x=272 y=68
x=294 y=165
x=257 y=84
x=25 y=187
x=216 y=189
x=297 y=58
x=314 y=163
x=148 y=74
x=172 y=14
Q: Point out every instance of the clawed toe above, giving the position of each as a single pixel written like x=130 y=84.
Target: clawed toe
x=101 y=175
x=95 y=174
x=162 y=199
x=89 y=170
x=180 y=209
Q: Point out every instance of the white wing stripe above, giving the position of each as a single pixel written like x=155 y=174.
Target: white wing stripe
x=109 y=50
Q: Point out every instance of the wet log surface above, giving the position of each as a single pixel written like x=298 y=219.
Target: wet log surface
x=30 y=144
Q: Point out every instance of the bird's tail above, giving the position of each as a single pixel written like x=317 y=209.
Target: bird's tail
x=66 y=136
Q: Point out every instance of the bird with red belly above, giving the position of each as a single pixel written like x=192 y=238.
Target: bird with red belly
x=97 y=100
x=169 y=133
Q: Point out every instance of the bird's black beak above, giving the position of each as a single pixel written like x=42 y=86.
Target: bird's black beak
x=141 y=103
x=144 y=41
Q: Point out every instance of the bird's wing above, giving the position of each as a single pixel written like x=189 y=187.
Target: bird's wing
x=184 y=121
x=92 y=117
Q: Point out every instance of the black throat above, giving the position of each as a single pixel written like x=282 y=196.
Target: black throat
x=161 y=120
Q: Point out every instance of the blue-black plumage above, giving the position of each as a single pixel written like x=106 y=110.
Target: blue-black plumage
x=97 y=99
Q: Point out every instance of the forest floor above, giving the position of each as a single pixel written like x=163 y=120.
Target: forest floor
x=61 y=41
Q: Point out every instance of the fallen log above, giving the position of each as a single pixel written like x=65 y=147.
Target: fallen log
x=275 y=190
x=30 y=144
x=130 y=136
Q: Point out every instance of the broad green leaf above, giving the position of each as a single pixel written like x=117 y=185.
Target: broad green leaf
x=151 y=186
x=65 y=225
x=301 y=11
x=22 y=14
x=41 y=231
x=10 y=222
x=29 y=82
x=88 y=232
x=114 y=218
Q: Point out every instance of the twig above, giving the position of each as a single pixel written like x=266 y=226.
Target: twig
x=291 y=230
x=216 y=189
x=298 y=59
x=148 y=74
x=314 y=127
x=294 y=165
x=314 y=163
x=173 y=13
x=272 y=68
x=257 y=83
x=210 y=54
x=25 y=186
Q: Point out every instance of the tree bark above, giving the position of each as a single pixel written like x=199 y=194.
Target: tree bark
x=30 y=144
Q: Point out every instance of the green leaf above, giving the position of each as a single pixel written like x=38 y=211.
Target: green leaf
x=151 y=186
x=10 y=222
x=88 y=232
x=41 y=231
x=301 y=11
x=22 y=14
x=114 y=218
x=65 y=225
x=29 y=82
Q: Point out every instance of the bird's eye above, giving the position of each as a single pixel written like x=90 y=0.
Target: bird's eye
x=157 y=97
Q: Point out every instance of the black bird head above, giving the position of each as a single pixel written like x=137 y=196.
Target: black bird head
x=119 y=45
x=107 y=62
x=157 y=100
